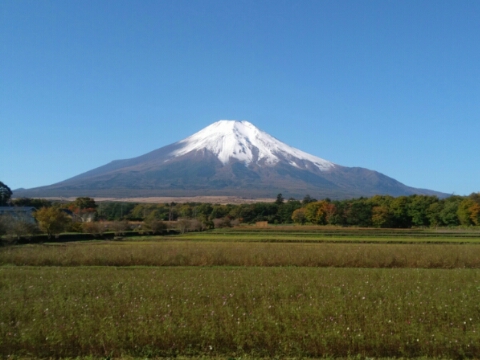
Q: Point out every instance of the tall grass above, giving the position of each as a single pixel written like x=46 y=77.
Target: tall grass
x=181 y=253
x=260 y=312
x=316 y=235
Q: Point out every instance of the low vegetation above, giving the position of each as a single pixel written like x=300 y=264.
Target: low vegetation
x=233 y=312
x=315 y=290
x=185 y=253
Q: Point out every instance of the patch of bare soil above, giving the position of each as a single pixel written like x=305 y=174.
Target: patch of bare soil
x=162 y=200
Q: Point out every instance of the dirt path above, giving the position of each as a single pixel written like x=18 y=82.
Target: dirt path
x=180 y=200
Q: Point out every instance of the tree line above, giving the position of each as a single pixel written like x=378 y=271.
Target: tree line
x=381 y=211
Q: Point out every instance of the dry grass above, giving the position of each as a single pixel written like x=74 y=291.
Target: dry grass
x=222 y=200
x=182 y=253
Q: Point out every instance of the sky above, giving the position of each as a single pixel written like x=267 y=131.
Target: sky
x=392 y=86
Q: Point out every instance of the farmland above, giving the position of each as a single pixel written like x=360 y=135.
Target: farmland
x=186 y=253
x=245 y=293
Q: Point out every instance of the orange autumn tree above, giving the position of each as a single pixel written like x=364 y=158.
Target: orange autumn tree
x=84 y=209
x=319 y=212
x=475 y=214
x=475 y=208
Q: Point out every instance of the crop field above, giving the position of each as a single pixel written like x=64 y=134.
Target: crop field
x=331 y=237
x=188 y=296
x=186 y=253
x=317 y=234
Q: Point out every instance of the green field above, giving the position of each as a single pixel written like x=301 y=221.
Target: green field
x=213 y=295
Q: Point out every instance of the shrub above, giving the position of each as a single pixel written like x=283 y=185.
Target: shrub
x=155 y=226
x=95 y=228
x=75 y=226
x=195 y=225
x=222 y=223
x=119 y=227
x=182 y=225
x=16 y=228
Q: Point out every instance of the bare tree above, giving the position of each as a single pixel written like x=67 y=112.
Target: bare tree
x=182 y=225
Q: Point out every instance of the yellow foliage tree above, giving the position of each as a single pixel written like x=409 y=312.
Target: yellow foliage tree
x=52 y=221
x=319 y=212
x=298 y=216
x=381 y=216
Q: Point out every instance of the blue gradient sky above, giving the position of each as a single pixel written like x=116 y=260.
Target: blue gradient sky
x=392 y=86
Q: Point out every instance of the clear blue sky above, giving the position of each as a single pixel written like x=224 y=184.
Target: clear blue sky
x=392 y=86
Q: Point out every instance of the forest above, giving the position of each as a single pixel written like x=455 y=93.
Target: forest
x=415 y=211
x=378 y=211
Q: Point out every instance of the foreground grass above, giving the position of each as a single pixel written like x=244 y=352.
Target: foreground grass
x=264 y=312
x=182 y=253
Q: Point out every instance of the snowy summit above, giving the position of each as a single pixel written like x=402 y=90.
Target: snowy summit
x=241 y=140
x=227 y=158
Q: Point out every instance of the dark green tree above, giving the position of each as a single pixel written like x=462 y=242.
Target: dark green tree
x=433 y=213
x=280 y=199
x=358 y=212
x=399 y=208
x=119 y=211
x=154 y=224
x=418 y=209
x=36 y=203
x=85 y=203
x=308 y=199
x=185 y=211
x=449 y=214
x=5 y=194
x=218 y=211
x=204 y=210
x=265 y=212
x=285 y=211
x=340 y=215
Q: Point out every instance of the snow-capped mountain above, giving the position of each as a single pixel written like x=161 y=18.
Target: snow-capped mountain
x=242 y=141
x=227 y=158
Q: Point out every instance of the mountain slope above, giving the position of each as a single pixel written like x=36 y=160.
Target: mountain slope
x=226 y=158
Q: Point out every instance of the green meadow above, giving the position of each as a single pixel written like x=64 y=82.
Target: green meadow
x=213 y=295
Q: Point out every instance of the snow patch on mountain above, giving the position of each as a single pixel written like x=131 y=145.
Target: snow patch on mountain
x=241 y=140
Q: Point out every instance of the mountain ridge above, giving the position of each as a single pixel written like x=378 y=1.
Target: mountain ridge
x=228 y=158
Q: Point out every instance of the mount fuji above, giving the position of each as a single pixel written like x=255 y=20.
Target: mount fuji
x=227 y=158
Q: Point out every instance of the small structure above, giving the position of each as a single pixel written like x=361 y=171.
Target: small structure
x=23 y=213
x=261 y=224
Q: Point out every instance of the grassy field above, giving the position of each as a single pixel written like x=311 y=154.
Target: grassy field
x=189 y=296
x=186 y=253
x=301 y=312
x=337 y=235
